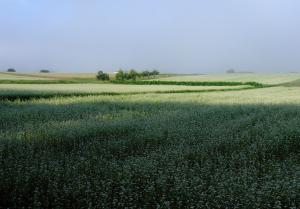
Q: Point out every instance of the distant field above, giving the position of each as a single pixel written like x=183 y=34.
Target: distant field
x=87 y=77
x=91 y=77
x=64 y=75
x=274 y=78
x=11 y=76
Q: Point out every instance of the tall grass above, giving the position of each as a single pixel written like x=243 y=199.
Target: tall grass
x=217 y=150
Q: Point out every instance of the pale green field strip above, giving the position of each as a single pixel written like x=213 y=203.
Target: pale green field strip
x=10 y=76
x=238 y=77
x=260 y=96
x=64 y=75
x=15 y=89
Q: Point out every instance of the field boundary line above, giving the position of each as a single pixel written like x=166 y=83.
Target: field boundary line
x=25 y=97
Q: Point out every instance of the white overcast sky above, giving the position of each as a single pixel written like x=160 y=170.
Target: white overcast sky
x=190 y=36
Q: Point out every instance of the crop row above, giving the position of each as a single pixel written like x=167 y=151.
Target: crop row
x=149 y=151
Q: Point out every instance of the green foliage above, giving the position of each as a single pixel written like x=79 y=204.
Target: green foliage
x=102 y=76
x=237 y=149
x=163 y=151
x=154 y=72
x=123 y=75
x=187 y=83
x=132 y=75
x=44 y=71
x=11 y=70
x=120 y=75
x=148 y=74
x=145 y=73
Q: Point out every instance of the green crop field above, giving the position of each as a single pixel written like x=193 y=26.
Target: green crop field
x=151 y=146
x=240 y=77
x=50 y=90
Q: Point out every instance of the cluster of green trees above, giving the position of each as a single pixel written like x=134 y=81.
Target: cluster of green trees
x=122 y=75
x=133 y=75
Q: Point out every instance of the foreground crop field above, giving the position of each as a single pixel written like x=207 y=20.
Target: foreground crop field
x=217 y=149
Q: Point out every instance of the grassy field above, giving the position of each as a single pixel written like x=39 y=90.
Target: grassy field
x=206 y=149
x=12 y=76
x=15 y=76
x=47 y=77
x=50 y=90
x=239 y=77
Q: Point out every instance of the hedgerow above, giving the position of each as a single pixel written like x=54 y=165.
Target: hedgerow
x=186 y=83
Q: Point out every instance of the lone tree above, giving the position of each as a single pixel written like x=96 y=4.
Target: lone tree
x=230 y=71
x=44 y=71
x=102 y=76
x=11 y=70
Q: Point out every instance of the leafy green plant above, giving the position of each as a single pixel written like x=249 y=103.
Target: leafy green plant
x=237 y=149
x=102 y=76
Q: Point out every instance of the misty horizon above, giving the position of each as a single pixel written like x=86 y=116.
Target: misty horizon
x=190 y=36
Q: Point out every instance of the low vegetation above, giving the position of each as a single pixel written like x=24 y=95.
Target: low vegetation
x=187 y=83
x=102 y=76
x=139 y=146
x=264 y=78
x=133 y=75
x=44 y=71
x=28 y=91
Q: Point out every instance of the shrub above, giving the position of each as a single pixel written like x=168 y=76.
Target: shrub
x=11 y=70
x=120 y=75
x=102 y=76
x=44 y=71
x=230 y=71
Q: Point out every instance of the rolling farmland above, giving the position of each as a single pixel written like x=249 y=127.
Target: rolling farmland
x=151 y=146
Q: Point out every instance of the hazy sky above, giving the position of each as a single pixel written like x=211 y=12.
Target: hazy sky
x=187 y=36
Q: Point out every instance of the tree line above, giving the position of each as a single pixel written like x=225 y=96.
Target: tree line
x=122 y=75
x=12 y=70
